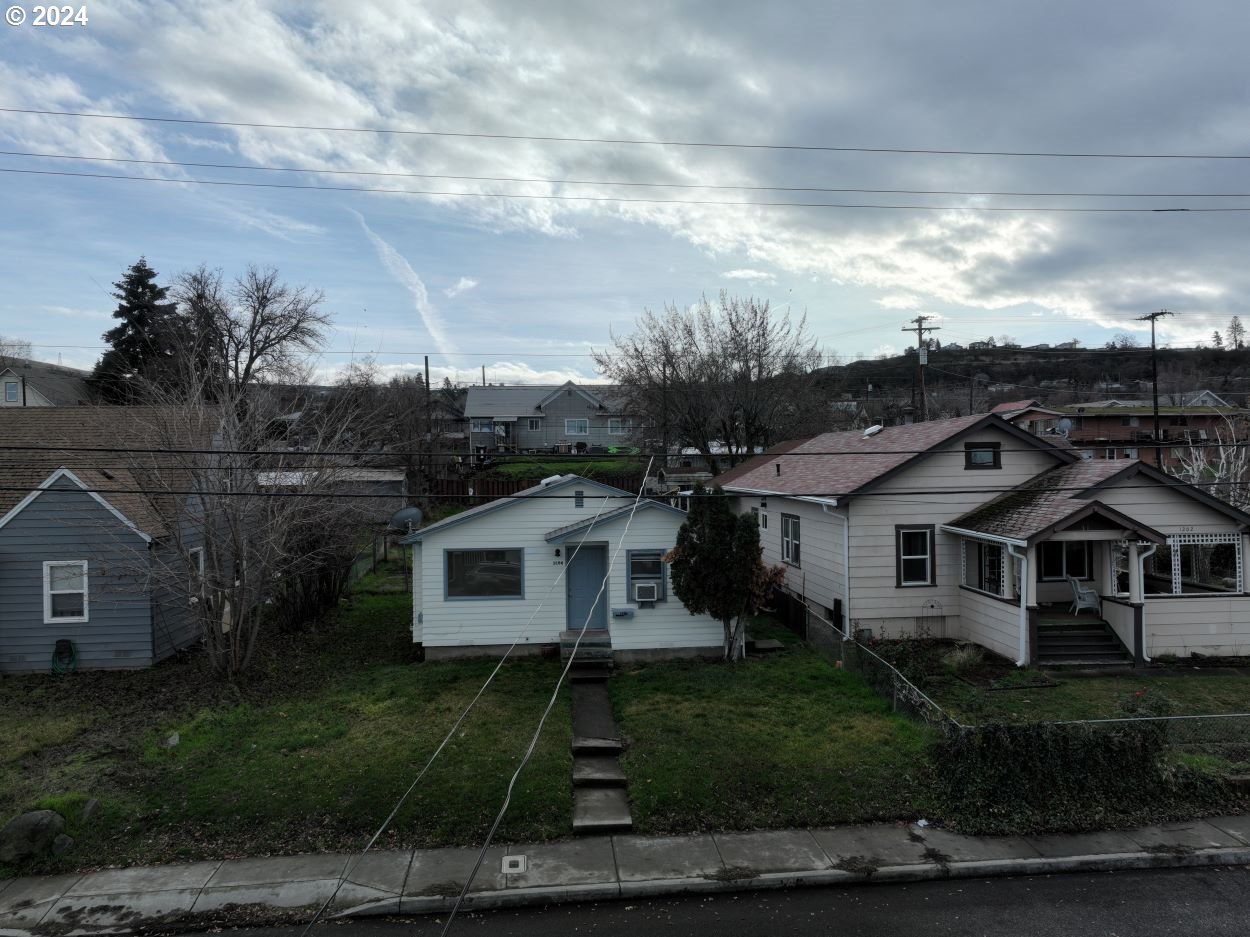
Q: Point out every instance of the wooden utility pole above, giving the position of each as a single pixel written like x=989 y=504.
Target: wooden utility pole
x=922 y=359
x=1154 y=380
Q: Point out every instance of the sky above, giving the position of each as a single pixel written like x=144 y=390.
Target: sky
x=563 y=243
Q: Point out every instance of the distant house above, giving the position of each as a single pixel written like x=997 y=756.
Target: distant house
x=80 y=551
x=1029 y=415
x=971 y=528
x=529 y=569
x=1124 y=429
x=568 y=418
x=27 y=383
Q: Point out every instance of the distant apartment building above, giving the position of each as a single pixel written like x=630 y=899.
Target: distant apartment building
x=1124 y=429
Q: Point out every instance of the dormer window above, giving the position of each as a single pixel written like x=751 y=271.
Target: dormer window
x=983 y=455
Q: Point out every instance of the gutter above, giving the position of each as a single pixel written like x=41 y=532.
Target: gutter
x=846 y=565
x=981 y=535
x=1141 y=579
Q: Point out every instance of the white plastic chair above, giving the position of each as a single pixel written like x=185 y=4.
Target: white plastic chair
x=1083 y=597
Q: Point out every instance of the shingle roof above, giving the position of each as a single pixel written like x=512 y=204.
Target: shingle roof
x=1041 y=502
x=64 y=387
x=523 y=400
x=842 y=463
x=1013 y=406
x=623 y=511
x=47 y=429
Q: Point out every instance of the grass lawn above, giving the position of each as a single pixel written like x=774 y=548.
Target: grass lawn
x=539 y=468
x=784 y=740
x=309 y=753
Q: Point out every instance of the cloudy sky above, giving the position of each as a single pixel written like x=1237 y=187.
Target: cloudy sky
x=562 y=242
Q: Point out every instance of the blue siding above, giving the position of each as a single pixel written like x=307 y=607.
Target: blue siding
x=66 y=523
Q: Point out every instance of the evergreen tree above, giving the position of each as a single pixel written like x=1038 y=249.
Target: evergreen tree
x=144 y=343
x=1217 y=340
x=717 y=567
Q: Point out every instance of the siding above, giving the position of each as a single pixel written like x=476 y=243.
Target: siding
x=568 y=405
x=1120 y=617
x=990 y=623
x=1218 y=625
x=1165 y=510
x=943 y=478
x=525 y=525
x=819 y=577
x=66 y=523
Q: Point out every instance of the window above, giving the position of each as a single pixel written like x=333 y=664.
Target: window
x=577 y=427
x=65 y=591
x=579 y=499
x=195 y=563
x=1062 y=559
x=983 y=566
x=535 y=424
x=914 y=555
x=983 y=455
x=481 y=426
x=790 y=551
x=485 y=574
x=647 y=566
x=619 y=426
x=1130 y=453
x=1129 y=421
x=10 y=391
x=1195 y=564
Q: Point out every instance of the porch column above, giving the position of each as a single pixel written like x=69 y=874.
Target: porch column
x=1134 y=573
x=1030 y=577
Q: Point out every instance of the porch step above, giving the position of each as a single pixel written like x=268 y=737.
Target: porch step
x=597 y=771
x=595 y=645
x=1087 y=644
x=601 y=810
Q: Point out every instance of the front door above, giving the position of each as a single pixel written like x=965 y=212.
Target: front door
x=586 y=607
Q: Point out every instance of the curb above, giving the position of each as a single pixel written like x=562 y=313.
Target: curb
x=976 y=868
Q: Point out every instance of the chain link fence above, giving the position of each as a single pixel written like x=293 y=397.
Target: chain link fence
x=1224 y=735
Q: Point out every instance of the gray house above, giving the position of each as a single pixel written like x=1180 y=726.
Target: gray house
x=85 y=562
x=27 y=383
x=568 y=418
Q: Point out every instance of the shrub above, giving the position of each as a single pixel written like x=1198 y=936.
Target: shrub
x=963 y=658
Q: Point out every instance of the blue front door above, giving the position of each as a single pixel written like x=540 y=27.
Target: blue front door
x=583 y=581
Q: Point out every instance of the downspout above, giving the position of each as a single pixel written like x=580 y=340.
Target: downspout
x=846 y=568
x=1022 y=658
x=1141 y=578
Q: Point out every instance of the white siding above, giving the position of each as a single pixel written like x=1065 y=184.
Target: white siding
x=417 y=593
x=1165 y=510
x=1120 y=618
x=819 y=575
x=991 y=623
x=525 y=525
x=944 y=482
x=1218 y=625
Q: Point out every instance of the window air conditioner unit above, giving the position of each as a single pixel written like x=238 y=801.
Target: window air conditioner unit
x=646 y=591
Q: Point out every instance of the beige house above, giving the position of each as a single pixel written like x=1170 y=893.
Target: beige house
x=973 y=528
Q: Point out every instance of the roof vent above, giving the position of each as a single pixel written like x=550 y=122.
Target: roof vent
x=873 y=430
x=550 y=480
x=777 y=466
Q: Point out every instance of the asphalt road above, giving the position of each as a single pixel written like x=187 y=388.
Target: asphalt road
x=1208 y=902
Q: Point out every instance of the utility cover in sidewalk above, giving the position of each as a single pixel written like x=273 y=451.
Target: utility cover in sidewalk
x=513 y=865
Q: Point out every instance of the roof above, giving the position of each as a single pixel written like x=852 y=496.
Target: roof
x=58 y=438
x=599 y=520
x=1014 y=406
x=527 y=400
x=1041 y=504
x=1133 y=408
x=64 y=387
x=847 y=462
x=501 y=504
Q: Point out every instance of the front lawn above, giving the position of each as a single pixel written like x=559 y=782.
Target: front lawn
x=309 y=754
x=785 y=740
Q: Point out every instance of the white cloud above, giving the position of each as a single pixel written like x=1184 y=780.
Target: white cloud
x=904 y=301
x=463 y=285
x=402 y=271
x=68 y=313
x=748 y=274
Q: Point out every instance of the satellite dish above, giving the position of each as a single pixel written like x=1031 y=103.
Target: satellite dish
x=406 y=519
x=873 y=430
x=1064 y=426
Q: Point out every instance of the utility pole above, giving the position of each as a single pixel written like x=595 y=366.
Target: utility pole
x=922 y=359
x=426 y=480
x=1154 y=380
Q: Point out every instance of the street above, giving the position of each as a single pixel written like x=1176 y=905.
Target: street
x=1141 y=904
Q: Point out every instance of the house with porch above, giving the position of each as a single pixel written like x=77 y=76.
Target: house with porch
x=568 y=418
x=974 y=529
x=539 y=568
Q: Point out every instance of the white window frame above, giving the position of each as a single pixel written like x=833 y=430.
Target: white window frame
x=48 y=617
x=584 y=421
x=619 y=426
x=476 y=426
x=792 y=540
x=535 y=424
x=11 y=386
x=195 y=560
x=1089 y=562
x=1176 y=541
x=966 y=569
x=929 y=556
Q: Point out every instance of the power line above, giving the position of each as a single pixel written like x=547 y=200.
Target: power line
x=323 y=170
x=1044 y=209
x=622 y=141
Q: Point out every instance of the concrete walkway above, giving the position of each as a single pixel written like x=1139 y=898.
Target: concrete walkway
x=591 y=868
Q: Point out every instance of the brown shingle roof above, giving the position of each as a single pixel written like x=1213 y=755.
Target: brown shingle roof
x=56 y=435
x=841 y=463
x=1041 y=502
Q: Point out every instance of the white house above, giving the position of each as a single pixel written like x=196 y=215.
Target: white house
x=529 y=569
x=973 y=528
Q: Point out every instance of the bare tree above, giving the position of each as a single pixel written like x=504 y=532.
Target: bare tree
x=1224 y=462
x=12 y=349
x=734 y=373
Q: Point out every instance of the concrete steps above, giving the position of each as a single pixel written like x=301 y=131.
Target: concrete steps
x=1088 y=644
x=600 y=797
x=601 y=810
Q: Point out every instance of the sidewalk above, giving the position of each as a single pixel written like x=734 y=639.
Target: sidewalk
x=590 y=869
